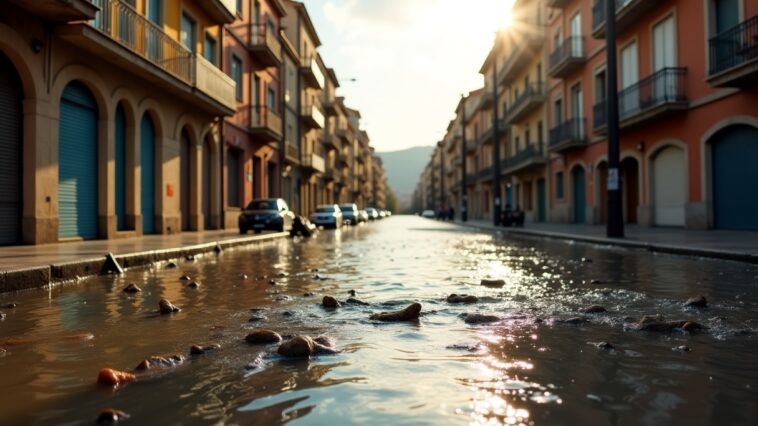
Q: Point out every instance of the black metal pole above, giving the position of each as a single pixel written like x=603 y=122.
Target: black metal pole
x=464 y=192
x=495 y=147
x=615 y=222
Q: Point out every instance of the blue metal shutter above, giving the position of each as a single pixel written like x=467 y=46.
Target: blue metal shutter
x=120 y=169
x=10 y=153
x=77 y=163
x=735 y=193
x=580 y=199
x=147 y=166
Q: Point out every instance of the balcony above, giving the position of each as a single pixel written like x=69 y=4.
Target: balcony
x=628 y=12
x=485 y=175
x=651 y=98
x=312 y=75
x=530 y=156
x=471 y=178
x=343 y=160
x=344 y=134
x=486 y=137
x=567 y=135
x=485 y=101
x=330 y=175
x=312 y=117
x=61 y=10
x=262 y=44
x=532 y=98
x=734 y=56
x=260 y=121
x=567 y=58
x=329 y=141
x=222 y=11
x=330 y=107
x=313 y=163
x=128 y=40
x=557 y=4
x=291 y=154
x=529 y=41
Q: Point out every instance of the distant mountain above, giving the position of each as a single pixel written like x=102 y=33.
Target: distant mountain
x=403 y=169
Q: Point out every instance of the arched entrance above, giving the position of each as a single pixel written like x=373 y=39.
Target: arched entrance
x=120 y=163
x=630 y=177
x=77 y=163
x=579 y=190
x=207 y=158
x=147 y=174
x=734 y=153
x=185 y=150
x=669 y=184
x=10 y=153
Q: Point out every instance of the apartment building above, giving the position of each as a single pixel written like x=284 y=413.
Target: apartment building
x=111 y=118
x=687 y=102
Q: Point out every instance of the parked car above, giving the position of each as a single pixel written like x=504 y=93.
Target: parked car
x=327 y=215
x=429 y=214
x=350 y=213
x=372 y=213
x=382 y=213
x=362 y=216
x=266 y=214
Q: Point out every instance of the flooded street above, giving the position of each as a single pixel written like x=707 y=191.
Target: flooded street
x=529 y=367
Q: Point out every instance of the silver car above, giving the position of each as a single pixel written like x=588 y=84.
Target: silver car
x=328 y=216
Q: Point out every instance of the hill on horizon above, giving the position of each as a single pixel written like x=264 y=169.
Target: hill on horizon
x=403 y=169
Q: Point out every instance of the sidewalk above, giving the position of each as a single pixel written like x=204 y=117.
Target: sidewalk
x=722 y=244
x=32 y=266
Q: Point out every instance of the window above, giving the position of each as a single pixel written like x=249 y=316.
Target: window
x=559 y=185
x=271 y=98
x=540 y=137
x=527 y=136
x=188 y=34
x=239 y=7
x=209 y=49
x=558 y=112
x=270 y=26
x=237 y=76
x=600 y=87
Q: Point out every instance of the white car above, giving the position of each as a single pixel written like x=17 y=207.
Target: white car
x=327 y=215
x=429 y=214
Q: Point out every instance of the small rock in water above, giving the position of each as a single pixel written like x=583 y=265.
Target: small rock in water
x=262 y=337
x=273 y=282
x=691 y=326
x=681 y=348
x=282 y=298
x=190 y=258
x=200 y=350
x=160 y=361
x=243 y=276
x=9 y=306
x=538 y=321
x=111 y=416
x=309 y=294
x=696 y=302
x=354 y=301
x=297 y=347
x=288 y=314
x=586 y=260
x=171 y=265
x=629 y=319
x=317 y=277
x=256 y=318
x=604 y=345
x=132 y=288
x=656 y=323
x=462 y=298
x=281 y=275
x=411 y=313
x=493 y=283
x=351 y=292
x=330 y=303
x=185 y=278
x=480 y=318
x=573 y=320
x=473 y=347
x=166 y=307
x=596 y=282
x=594 y=309
x=111 y=377
x=2 y=316
x=193 y=284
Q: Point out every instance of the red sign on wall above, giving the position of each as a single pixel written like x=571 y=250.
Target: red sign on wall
x=169 y=190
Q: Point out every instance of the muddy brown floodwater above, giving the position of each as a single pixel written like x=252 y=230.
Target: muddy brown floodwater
x=531 y=366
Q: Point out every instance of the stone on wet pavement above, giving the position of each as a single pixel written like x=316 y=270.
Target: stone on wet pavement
x=111 y=416
x=593 y=309
x=492 y=283
x=681 y=348
x=697 y=302
x=132 y=288
x=9 y=306
x=573 y=320
x=111 y=377
x=202 y=349
x=462 y=298
x=604 y=345
x=656 y=323
x=263 y=337
x=354 y=301
x=160 y=361
x=476 y=318
x=297 y=347
x=410 y=313
x=330 y=302
x=194 y=284
x=185 y=278
x=166 y=307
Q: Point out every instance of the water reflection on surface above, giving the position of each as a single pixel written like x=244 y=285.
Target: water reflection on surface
x=528 y=368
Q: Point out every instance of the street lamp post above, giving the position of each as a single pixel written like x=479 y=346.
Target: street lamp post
x=615 y=225
x=464 y=193
x=495 y=147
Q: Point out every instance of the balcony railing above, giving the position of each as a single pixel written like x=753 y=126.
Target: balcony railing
x=312 y=116
x=261 y=120
x=567 y=57
x=651 y=97
x=471 y=178
x=312 y=74
x=532 y=97
x=264 y=45
x=569 y=134
x=125 y=25
x=344 y=134
x=485 y=174
x=342 y=159
x=735 y=48
x=627 y=13
x=313 y=162
x=529 y=156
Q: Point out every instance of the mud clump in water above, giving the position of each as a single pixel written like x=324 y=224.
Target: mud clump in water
x=305 y=346
x=656 y=323
x=263 y=337
x=462 y=298
x=492 y=283
x=132 y=288
x=593 y=309
x=329 y=302
x=166 y=307
x=111 y=416
x=160 y=361
x=480 y=318
x=411 y=313
x=697 y=302
x=111 y=377
x=354 y=301
x=573 y=320
x=200 y=349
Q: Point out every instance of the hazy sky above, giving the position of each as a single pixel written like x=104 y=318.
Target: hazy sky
x=411 y=59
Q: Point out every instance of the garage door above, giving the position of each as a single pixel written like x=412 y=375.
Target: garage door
x=77 y=163
x=669 y=187
x=735 y=193
x=10 y=153
x=147 y=175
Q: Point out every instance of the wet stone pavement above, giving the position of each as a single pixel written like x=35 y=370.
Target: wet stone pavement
x=538 y=359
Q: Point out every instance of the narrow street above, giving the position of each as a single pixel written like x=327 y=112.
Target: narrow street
x=539 y=361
